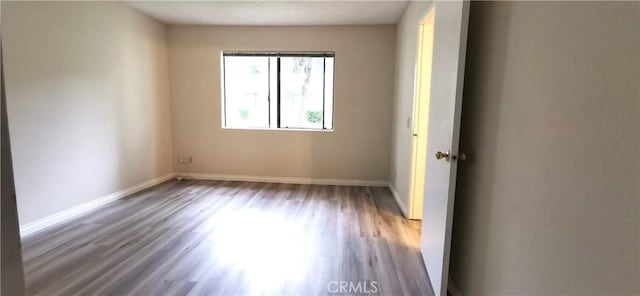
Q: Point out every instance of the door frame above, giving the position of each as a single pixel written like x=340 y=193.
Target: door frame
x=422 y=95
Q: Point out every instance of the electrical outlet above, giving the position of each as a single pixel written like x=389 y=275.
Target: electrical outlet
x=185 y=159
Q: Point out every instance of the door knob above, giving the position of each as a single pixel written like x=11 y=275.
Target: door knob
x=441 y=155
x=447 y=155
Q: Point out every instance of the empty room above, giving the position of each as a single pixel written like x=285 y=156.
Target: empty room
x=320 y=148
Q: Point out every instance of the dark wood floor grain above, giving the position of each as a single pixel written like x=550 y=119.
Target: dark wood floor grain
x=232 y=238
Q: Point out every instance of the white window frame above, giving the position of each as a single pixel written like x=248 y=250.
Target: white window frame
x=274 y=90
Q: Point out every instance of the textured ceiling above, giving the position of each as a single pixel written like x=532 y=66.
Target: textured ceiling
x=273 y=13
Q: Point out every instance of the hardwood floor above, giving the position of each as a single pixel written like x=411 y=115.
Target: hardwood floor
x=240 y=238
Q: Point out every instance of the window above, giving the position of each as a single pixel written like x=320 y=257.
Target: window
x=278 y=90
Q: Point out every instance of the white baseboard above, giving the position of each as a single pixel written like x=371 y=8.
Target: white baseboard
x=453 y=289
x=78 y=210
x=41 y=224
x=290 y=180
x=401 y=204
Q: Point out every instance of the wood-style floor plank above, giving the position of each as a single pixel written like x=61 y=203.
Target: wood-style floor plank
x=232 y=238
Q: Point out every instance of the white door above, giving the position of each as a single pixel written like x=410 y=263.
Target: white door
x=450 y=41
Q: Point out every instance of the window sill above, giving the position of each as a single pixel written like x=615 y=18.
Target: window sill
x=279 y=129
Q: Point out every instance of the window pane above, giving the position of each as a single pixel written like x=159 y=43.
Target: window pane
x=246 y=90
x=301 y=92
x=328 y=93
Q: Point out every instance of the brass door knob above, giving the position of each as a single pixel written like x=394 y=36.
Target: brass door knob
x=441 y=155
x=447 y=156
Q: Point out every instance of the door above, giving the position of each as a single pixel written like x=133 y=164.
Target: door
x=451 y=20
x=421 y=115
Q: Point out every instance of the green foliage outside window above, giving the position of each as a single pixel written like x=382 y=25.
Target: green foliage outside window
x=314 y=116
x=255 y=70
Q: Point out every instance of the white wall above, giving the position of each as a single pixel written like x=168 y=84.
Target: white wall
x=548 y=201
x=405 y=70
x=88 y=101
x=357 y=149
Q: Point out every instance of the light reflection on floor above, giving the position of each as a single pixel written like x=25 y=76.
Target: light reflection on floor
x=268 y=249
